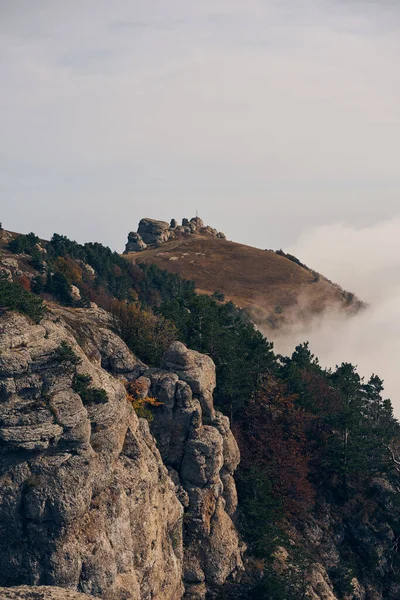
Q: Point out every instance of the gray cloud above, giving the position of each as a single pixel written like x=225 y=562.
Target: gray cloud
x=365 y=260
x=268 y=117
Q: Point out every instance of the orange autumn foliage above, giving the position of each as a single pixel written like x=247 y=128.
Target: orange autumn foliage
x=136 y=394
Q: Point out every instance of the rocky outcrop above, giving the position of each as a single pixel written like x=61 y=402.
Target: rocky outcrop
x=26 y=592
x=198 y=370
x=87 y=502
x=202 y=459
x=153 y=233
x=135 y=243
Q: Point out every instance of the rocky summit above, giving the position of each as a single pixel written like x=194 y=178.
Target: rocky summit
x=153 y=233
x=276 y=289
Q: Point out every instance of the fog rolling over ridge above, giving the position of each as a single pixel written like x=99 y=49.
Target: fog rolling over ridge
x=365 y=261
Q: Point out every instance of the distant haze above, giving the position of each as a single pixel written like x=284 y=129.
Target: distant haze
x=267 y=116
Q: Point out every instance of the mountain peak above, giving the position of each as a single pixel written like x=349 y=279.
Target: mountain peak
x=152 y=232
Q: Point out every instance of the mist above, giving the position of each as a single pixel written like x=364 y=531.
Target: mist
x=365 y=261
x=267 y=117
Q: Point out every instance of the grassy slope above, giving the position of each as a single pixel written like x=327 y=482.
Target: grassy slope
x=257 y=279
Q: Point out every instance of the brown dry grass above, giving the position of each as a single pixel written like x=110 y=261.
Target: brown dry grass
x=258 y=280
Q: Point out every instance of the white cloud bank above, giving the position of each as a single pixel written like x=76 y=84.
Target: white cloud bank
x=365 y=261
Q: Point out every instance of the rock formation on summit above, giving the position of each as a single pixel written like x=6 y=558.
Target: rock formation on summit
x=135 y=243
x=153 y=233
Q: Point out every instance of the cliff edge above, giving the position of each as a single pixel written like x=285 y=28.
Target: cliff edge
x=86 y=501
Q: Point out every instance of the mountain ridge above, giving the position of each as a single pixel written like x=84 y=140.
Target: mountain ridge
x=221 y=467
x=273 y=287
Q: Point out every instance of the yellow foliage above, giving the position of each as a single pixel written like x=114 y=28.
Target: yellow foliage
x=141 y=402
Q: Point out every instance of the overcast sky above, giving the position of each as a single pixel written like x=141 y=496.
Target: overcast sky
x=268 y=117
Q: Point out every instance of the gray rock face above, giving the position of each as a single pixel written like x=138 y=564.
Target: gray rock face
x=135 y=243
x=41 y=593
x=10 y=263
x=198 y=370
x=86 y=499
x=202 y=460
x=153 y=232
x=196 y=223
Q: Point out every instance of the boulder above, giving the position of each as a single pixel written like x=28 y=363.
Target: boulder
x=318 y=584
x=203 y=458
x=198 y=370
x=197 y=223
x=135 y=243
x=153 y=232
x=75 y=293
x=10 y=263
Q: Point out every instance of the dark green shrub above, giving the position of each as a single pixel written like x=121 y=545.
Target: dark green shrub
x=23 y=243
x=292 y=258
x=38 y=285
x=36 y=259
x=218 y=296
x=88 y=395
x=14 y=297
x=58 y=285
x=148 y=335
x=64 y=354
x=259 y=512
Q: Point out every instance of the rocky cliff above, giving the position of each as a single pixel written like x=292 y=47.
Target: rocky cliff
x=91 y=499
x=97 y=502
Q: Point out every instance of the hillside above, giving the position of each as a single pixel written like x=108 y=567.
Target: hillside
x=152 y=444
x=273 y=288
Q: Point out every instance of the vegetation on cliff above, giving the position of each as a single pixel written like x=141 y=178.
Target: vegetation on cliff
x=317 y=444
x=13 y=296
